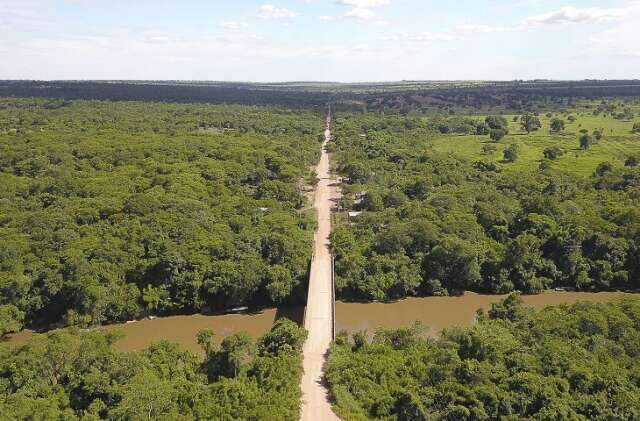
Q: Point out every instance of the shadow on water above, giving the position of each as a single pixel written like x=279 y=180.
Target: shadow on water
x=295 y=314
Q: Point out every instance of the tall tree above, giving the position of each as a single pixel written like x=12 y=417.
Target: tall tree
x=530 y=123
x=557 y=125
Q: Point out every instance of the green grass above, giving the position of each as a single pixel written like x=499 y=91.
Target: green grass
x=616 y=146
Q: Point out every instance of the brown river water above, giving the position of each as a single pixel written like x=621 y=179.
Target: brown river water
x=436 y=313
x=183 y=329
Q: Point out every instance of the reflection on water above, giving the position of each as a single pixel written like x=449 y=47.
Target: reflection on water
x=183 y=329
x=437 y=313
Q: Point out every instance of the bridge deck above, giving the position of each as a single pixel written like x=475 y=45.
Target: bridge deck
x=319 y=315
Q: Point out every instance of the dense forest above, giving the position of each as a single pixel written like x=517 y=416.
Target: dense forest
x=403 y=95
x=447 y=203
x=518 y=96
x=573 y=362
x=171 y=91
x=67 y=374
x=110 y=211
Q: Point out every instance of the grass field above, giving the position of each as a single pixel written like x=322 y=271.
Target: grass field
x=617 y=144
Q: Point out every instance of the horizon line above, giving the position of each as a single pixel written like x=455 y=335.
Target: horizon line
x=326 y=82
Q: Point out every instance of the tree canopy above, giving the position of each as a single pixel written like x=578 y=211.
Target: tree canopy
x=69 y=374
x=110 y=211
x=435 y=222
x=575 y=361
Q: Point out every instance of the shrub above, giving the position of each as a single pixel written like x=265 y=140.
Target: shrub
x=553 y=152
x=585 y=141
x=497 y=134
x=511 y=153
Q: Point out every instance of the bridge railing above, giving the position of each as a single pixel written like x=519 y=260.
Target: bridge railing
x=333 y=298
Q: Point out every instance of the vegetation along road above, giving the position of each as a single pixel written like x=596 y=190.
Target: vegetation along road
x=319 y=314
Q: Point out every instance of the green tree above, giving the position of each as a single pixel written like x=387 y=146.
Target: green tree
x=527 y=269
x=409 y=408
x=585 y=141
x=603 y=168
x=511 y=308
x=553 y=153
x=154 y=298
x=492 y=371
x=146 y=396
x=279 y=283
x=205 y=340
x=511 y=153
x=394 y=199
x=488 y=149
x=497 y=122
x=631 y=161
x=482 y=129
x=454 y=263
x=530 y=123
x=11 y=319
x=557 y=125
x=356 y=172
x=236 y=351
x=285 y=337
x=372 y=201
x=497 y=134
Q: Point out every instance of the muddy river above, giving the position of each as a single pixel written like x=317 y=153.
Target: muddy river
x=436 y=313
x=183 y=329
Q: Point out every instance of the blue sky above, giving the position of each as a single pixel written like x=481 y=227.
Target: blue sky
x=329 y=40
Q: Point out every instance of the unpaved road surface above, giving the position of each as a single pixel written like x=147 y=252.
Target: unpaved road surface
x=319 y=313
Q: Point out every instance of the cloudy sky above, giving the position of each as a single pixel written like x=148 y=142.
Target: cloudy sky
x=332 y=40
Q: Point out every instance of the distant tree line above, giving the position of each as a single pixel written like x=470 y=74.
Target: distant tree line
x=229 y=93
x=517 y=95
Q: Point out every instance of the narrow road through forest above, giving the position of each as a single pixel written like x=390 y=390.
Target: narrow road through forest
x=319 y=313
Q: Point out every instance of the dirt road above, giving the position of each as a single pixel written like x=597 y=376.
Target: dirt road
x=319 y=313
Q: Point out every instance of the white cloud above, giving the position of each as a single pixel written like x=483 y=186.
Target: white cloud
x=363 y=9
x=233 y=24
x=621 y=39
x=575 y=15
x=421 y=37
x=24 y=15
x=159 y=39
x=360 y=13
x=367 y=4
x=45 y=44
x=271 y=12
x=431 y=36
x=482 y=29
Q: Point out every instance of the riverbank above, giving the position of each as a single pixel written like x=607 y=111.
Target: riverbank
x=183 y=329
x=436 y=313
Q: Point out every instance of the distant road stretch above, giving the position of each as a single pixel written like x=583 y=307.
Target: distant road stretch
x=319 y=313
